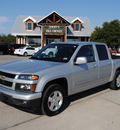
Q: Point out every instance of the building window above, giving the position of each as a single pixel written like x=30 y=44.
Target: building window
x=77 y=27
x=29 y=26
x=72 y=40
x=34 y=42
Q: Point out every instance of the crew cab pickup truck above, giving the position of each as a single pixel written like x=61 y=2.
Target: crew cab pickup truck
x=46 y=80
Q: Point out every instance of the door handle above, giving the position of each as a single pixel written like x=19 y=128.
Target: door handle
x=95 y=65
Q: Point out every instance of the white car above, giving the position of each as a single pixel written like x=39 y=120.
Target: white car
x=25 y=51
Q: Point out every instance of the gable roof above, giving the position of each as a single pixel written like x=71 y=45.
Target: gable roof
x=19 y=27
x=52 y=14
x=76 y=20
x=29 y=17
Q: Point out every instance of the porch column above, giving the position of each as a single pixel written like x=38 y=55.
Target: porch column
x=64 y=33
x=42 y=36
x=89 y=39
x=24 y=40
x=79 y=39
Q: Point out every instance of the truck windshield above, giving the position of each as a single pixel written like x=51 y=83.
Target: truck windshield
x=56 y=52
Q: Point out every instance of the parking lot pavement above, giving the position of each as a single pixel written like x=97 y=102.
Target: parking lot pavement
x=9 y=58
x=95 y=109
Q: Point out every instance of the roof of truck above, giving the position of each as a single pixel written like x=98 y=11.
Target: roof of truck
x=80 y=43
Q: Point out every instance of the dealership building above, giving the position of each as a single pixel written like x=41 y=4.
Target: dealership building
x=42 y=30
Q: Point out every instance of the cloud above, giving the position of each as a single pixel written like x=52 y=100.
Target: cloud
x=2 y=28
x=3 y=19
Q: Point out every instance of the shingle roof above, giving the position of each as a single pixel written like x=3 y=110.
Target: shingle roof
x=20 y=28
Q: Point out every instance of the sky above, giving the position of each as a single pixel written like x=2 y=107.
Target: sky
x=98 y=11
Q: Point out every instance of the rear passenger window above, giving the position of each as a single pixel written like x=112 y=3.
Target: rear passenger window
x=102 y=52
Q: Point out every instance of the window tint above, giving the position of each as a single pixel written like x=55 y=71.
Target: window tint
x=102 y=52
x=87 y=51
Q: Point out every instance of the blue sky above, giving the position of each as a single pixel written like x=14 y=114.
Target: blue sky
x=98 y=11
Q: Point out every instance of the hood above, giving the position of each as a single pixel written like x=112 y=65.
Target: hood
x=27 y=66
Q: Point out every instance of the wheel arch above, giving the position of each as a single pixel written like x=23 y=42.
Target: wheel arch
x=61 y=81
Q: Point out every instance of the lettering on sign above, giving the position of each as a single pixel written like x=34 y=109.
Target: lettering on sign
x=53 y=29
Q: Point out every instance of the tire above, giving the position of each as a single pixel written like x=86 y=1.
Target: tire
x=1 y=53
x=115 y=84
x=25 y=54
x=53 y=100
x=50 y=55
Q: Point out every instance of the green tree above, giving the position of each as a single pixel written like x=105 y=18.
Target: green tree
x=7 y=39
x=109 y=33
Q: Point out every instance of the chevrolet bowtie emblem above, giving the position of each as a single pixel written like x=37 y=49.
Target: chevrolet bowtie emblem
x=2 y=77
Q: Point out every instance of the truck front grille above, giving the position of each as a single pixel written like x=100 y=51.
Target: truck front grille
x=7 y=75
x=6 y=83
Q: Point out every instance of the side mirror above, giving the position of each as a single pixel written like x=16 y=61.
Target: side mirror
x=81 y=60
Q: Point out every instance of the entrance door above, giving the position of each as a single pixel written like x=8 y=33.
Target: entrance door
x=50 y=40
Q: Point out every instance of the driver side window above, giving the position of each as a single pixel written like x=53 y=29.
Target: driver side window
x=88 y=52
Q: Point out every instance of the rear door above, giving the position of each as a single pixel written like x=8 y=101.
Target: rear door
x=105 y=64
x=30 y=50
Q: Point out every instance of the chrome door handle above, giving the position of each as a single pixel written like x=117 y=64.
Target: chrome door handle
x=95 y=65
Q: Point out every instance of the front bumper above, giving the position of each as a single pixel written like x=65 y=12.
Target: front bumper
x=21 y=99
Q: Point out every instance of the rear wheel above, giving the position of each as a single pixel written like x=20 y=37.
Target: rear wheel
x=25 y=54
x=1 y=53
x=53 y=100
x=115 y=84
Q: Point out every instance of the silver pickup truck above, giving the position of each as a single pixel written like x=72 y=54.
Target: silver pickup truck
x=46 y=80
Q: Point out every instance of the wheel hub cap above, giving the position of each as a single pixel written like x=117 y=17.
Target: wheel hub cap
x=118 y=81
x=55 y=101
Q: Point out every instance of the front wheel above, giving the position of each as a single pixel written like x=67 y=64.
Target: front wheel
x=53 y=100
x=115 y=84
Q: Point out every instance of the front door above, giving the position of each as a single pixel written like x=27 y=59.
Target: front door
x=85 y=75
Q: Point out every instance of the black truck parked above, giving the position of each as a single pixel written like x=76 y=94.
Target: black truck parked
x=3 y=49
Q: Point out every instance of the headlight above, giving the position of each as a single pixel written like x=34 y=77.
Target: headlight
x=28 y=77
x=25 y=87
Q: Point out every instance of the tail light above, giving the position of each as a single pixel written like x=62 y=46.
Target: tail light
x=13 y=49
x=19 y=50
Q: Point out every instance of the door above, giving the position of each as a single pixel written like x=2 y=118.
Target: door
x=85 y=75
x=105 y=64
x=30 y=50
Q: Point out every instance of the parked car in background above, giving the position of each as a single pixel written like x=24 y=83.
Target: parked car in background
x=25 y=51
x=12 y=47
x=3 y=49
x=113 y=52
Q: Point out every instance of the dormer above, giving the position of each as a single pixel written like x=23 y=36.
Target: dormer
x=29 y=22
x=77 y=24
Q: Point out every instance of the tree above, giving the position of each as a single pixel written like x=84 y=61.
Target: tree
x=9 y=39
x=109 y=33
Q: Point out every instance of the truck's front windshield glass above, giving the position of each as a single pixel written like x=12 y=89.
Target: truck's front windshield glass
x=56 y=52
